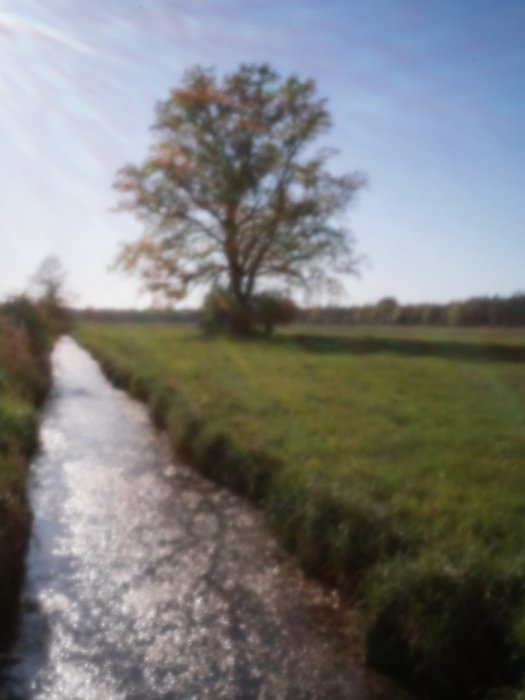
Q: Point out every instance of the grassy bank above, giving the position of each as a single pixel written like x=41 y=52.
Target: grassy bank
x=24 y=381
x=391 y=461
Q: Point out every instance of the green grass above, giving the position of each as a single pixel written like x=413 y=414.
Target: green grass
x=24 y=378
x=391 y=460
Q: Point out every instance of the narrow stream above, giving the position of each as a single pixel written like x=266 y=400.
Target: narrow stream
x=145 y=580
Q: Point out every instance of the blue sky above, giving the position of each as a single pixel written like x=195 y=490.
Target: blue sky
x=428 y=98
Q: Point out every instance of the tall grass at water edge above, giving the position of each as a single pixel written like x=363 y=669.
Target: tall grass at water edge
x=24 y=381
x=391 y=461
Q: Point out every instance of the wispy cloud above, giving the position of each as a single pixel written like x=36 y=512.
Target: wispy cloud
x=12 y=25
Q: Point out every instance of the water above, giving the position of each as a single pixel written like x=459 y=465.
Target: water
x=145 y=580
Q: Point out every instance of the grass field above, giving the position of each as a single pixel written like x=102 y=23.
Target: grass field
x=391 y=460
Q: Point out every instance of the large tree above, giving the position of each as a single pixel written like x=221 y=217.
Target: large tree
x=232 y=193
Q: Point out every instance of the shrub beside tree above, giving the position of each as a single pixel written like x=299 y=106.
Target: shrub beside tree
x=222 y=312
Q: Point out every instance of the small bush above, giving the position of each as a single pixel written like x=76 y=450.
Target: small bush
x=24 y=347
x=22 y=314
x=222 y=311
x=273 y=309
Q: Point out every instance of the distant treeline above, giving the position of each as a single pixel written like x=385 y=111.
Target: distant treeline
x=138 y=315
x=478 y=311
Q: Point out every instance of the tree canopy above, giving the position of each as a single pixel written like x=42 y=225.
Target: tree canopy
x=232 y=194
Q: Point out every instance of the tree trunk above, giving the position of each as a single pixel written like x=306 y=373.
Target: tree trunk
x=242 y=316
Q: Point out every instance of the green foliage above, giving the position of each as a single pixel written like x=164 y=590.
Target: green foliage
x=20 y=313
x=448 y=618
x=24 y=346
x=222 y=311
x=231 y=194
x=49 y=286
x=477 y=311
x=24 y=380
x=274 y=309
x=18 y=425
x=390 y=461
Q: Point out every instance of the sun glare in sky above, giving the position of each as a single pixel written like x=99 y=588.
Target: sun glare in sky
x=427 y=98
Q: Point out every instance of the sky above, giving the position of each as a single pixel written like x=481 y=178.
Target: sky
x=427 y=98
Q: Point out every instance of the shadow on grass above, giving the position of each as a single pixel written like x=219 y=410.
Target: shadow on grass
x=327 y=344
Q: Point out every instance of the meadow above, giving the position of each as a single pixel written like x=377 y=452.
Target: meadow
x=391 y=461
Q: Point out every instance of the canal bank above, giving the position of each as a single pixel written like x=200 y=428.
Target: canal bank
x=24 y=381
x=146 y=580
